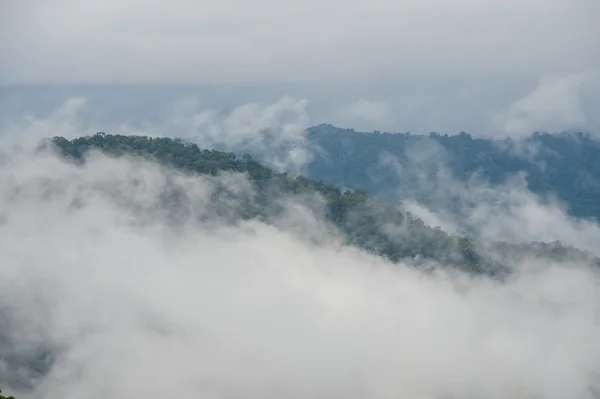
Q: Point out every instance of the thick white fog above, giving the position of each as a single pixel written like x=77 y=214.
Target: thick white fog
x=133 y=305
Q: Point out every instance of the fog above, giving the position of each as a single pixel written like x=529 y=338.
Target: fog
x=131 y=302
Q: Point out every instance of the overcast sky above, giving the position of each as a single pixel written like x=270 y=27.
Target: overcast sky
x=268 y=40
x=472 y=50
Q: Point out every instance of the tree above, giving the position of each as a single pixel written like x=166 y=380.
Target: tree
x=5 y=397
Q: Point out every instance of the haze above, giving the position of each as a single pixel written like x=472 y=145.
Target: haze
x=488 y=67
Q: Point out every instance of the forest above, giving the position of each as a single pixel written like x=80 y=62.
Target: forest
x=362 y=220
x=561 y=165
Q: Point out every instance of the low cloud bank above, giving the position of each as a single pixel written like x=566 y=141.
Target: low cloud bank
x=129 y=302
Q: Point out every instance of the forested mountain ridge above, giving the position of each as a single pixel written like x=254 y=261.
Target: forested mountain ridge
x=363 y=221
x=565 y=165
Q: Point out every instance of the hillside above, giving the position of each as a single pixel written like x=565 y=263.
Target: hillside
x=358 y=219
x=562 y=165
x=361 y=220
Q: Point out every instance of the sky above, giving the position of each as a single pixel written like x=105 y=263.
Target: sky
x=493 y=67
x=235 y=41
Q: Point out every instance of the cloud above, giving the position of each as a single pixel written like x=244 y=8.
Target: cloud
x=556 y=104
x=443 y=105
x=370 y=112
x=232 y=42
x=132 y=307
x=438 y=67
x=276 y=132
x=507 y=212
x=30 y=128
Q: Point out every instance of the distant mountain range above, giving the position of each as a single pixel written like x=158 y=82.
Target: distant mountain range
x=565 y=166
x=362 y=221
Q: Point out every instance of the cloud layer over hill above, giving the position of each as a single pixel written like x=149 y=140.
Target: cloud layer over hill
x=133 y=303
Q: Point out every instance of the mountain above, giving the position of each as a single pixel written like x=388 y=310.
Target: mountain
x=354 y=216
x=360 y=220
x=564 y=166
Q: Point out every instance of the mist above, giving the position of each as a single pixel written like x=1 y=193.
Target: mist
x=131 y=302
x=511 y=105
x=507 y=212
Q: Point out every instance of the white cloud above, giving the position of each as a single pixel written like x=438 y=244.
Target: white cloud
x=276 y=131
x=555 y=105
x=62 y=121
x=136 y=310
x=506 y=212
